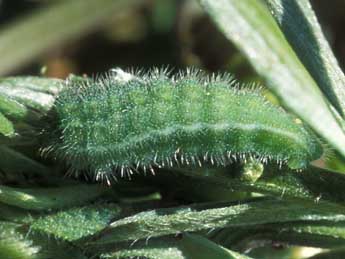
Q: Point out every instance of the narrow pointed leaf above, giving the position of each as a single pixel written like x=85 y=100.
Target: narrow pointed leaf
x=15 y=162
x=253 y=30
x=76 y=223
x=299 y=23
x=6 y=127
x=49 y=198
x=195 y=246
x=14 y=245
x=184 y=246
x=173 y=220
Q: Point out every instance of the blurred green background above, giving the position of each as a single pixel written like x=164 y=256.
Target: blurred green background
x=38 y=36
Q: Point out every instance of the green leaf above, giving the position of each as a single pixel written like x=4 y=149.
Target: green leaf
x=14 y=214
x=12 y=108
x=308 y=184
x=15 y=162
x=198 y=247
x=76 y=223
x=311 y=234
x=184 y=246
x=6 y=127
x=53 y=248
x=25 y=101
x=162 y=222
x=35 y=93
x=298 y=21
x=253 y=30
x=282 y=184
x=49 y=198
x=13 y=245
x=158 y=250
x=319 y=234
x=61 y=21
x=333 y=254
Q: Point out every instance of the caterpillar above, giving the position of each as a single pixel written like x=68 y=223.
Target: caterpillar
x=156 y=120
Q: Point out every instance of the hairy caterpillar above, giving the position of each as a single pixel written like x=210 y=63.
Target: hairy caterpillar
x=149 y=120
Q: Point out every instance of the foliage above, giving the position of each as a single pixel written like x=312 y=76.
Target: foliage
x=182 y=212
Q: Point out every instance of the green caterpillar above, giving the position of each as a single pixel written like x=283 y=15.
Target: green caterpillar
x=154 y=120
